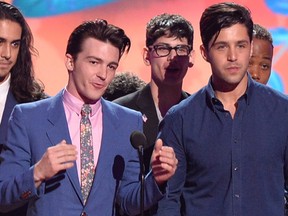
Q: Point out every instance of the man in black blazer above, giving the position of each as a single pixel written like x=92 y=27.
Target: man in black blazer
x=169 y=53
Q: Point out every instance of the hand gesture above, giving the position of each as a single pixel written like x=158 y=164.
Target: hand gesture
x=55 y=159
x=163 y=162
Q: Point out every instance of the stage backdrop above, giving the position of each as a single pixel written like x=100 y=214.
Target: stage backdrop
x=52 y=21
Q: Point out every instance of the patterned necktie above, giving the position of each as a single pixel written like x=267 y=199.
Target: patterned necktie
x=86 y=151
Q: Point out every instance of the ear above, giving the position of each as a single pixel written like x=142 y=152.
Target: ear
x=146 y=56
x=69 y=62
x=204 y=53
x=191 y=59
x=251 y=51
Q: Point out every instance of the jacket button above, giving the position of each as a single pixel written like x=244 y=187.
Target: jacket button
x=25 y=195
x=83 y=214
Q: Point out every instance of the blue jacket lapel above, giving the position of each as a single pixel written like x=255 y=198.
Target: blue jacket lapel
x=59 y=131
x=110 y=124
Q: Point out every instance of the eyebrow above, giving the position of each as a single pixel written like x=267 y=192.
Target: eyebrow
x=167 y=44
x=5 y=39
x=268 y=58
x=101 y=60
x=225 y=42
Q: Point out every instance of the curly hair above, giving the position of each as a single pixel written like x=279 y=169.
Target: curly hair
x=23 y=84
x=262 y=33
x=123 y=83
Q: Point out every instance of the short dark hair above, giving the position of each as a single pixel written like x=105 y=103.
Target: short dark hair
x=100 y=30
x=262 y=33
x=170 y=25
x=123 y=83
x=23 y=85
x=223 y=15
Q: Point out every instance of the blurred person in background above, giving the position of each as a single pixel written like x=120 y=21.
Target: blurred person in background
x=260 y=64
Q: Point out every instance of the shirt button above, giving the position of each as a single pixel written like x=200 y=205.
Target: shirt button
x=235 y=168
x=237 y=195
x=83 y=214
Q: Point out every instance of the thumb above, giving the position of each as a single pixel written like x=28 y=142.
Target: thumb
x=62 y=142
x=158 y=145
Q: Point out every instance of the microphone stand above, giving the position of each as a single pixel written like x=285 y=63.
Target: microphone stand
x=139 y=141
x=142 y=169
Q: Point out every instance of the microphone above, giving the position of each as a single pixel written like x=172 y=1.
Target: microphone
x=138 y=141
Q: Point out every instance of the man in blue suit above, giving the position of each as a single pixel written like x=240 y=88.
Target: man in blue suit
x=42 y=161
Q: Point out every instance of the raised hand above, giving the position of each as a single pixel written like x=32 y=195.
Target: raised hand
x=55 y=159
x=163 y=162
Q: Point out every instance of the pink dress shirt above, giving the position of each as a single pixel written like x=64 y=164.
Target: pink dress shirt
x=72 y=107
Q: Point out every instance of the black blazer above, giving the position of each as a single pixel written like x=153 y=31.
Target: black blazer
x=142 y=101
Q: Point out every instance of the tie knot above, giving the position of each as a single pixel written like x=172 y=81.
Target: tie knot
x=86 y=110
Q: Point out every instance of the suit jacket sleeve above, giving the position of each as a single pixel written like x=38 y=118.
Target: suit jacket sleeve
x=130 y=187
x=16 y=176
x=171 y=133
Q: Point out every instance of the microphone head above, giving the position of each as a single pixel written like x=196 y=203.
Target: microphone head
x=138 y=139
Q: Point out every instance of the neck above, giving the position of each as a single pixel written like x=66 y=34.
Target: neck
x=229 y=94
x=165 y=96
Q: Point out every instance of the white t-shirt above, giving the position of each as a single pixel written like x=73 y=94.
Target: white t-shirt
x=160 y=117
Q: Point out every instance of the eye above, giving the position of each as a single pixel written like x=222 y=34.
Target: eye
x=182 y=49
x=241 y=46
x=162 y=48
x=112 y=67
x=220 y=47
x=15 y=44
x=265 y=67
x=93 y=62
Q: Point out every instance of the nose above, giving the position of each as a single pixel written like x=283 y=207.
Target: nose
x=172 y=54
x=102 y=72
x=6 y=51
x=254 y=73
x=231 y=56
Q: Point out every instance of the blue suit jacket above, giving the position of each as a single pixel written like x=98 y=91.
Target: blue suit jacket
x=35 y=127
x=9 y=105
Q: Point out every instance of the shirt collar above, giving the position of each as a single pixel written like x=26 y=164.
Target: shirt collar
x=250 y=88
x=4 y=87
x=76 y=105
x=247 y=95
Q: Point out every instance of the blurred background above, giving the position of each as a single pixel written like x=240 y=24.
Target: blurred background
x=52 y=21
